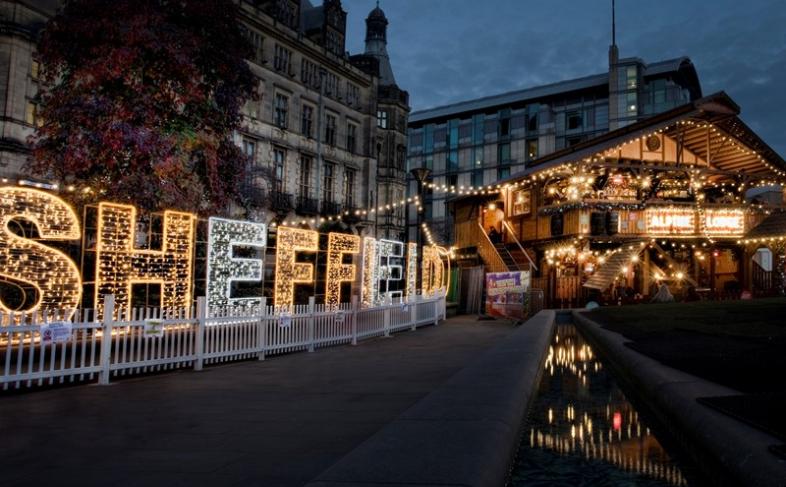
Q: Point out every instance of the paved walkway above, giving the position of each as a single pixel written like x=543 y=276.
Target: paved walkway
x=275 y=423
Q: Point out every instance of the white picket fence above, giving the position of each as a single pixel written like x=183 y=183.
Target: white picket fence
x=191 y=338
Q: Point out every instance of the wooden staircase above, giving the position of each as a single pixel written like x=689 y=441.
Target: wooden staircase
x=513 y=257
x=604 y=276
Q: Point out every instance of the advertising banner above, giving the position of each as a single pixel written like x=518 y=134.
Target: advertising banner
x=506 y=294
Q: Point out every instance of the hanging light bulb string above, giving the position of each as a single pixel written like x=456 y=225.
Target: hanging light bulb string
x=358 y=212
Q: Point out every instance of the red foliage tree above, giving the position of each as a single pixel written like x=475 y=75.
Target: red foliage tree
x=141 y=98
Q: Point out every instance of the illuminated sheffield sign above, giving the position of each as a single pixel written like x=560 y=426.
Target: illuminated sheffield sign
x=52 y=273
x=120 y=265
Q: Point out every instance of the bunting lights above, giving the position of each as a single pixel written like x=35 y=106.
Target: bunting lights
x=52 y=273
x=357 y=213
x=223 y=268
x=339 y=245
x=289 y=241
x=119 y=265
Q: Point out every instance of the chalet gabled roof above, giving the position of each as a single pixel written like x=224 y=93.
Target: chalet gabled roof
x=774 y=226
x=718 y=109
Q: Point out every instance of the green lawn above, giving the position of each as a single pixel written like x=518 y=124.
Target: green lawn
x=741 y=344
x=759 y=318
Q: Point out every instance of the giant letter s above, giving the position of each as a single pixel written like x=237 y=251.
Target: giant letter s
x=50 y=271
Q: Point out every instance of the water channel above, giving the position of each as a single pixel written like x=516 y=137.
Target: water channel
x=582 y=430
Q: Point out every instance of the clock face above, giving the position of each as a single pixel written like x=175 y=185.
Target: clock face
x=653 y=143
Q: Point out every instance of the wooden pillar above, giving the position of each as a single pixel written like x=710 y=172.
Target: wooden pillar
x=712 y=270
x=745 y=270
x=645 y=269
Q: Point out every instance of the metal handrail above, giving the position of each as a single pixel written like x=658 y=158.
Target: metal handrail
x=513 y=234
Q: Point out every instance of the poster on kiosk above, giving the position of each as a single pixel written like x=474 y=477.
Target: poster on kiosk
x=506 y=294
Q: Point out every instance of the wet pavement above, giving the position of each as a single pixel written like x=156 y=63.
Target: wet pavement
x=279 y=422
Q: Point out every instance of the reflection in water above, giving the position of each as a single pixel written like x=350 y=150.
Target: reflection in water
x=583 y=431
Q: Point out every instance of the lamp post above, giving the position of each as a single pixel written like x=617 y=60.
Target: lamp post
x=420 y=174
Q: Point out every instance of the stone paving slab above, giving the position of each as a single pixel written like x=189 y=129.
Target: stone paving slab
x=280 y=422
x=466 y=431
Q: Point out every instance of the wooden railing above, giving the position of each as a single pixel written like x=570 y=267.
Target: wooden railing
x=471 y=234
x=762 y=279
x=488 y=252
x=513 y=236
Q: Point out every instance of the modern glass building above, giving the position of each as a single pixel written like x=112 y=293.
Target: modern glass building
x=479 y=142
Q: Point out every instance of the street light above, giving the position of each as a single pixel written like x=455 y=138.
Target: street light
x=420 y=174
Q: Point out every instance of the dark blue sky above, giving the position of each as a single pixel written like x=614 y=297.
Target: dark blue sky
x=450 y=50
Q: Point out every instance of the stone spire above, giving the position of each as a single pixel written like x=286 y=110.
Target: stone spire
x=376 y=44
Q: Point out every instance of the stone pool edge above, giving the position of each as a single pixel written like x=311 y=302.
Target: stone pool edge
x=733 y=446
x=466 y=432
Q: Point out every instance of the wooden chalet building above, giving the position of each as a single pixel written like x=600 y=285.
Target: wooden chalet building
x=664 y=200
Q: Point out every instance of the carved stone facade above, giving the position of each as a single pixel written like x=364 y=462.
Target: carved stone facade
x=317 y=144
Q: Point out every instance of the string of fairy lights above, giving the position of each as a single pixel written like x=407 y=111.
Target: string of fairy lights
x=583 y=177
x=356 y=213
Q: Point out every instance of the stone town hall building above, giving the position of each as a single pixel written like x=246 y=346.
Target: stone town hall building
x=326 y=136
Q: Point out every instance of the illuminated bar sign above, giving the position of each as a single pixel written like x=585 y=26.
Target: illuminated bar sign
x=670 y=221
x=725 y=222
x=718 y=222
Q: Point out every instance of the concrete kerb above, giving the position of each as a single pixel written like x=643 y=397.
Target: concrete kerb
x=720 y=446
x=465 y=432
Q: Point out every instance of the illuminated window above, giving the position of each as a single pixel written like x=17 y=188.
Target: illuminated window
x=31 y=113
x=35 y=69
x=532 y=149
